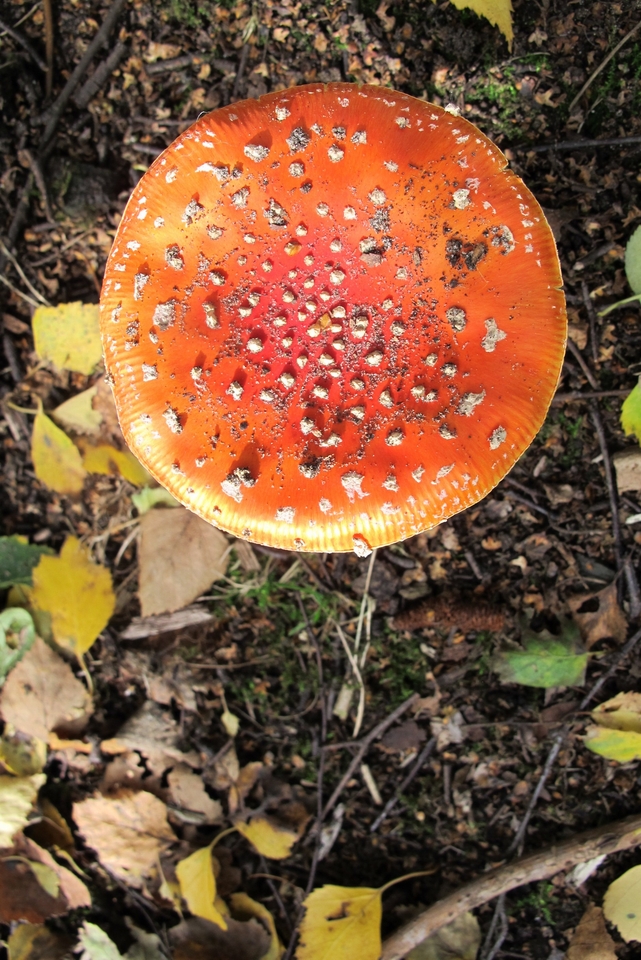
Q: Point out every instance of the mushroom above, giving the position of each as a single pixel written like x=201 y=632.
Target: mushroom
x=331 y=317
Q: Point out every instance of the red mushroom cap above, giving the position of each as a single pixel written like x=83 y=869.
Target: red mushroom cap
x=332 y=318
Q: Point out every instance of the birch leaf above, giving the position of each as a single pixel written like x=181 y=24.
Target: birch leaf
x=273 y=841
x=198 y=886
x=498 y=12
x=622 y=904
x=56 y=460
x=341 y=923
x=68 y=336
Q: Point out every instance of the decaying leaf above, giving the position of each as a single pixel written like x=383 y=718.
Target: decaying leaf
x=627 y=464
x=591 y=940
x=35 y=941
x=95 y=943
x=544 y=660
x=41 y=694
x=77 y=593
x=228 y=775
x=243 y=908
x=68 y=336
x=622 y=904
x=20 y=753
x=17 y=797
x=128 y=831
x=272 y=840
x=52 y=876
x=108 y=460
x=198 y=886
x=17 y=635
x=180 y=556
x=341 y=922
x=618 y=734
x=459 y=940
x=198 y=939
x=599 y=615
x=17 y=560
x=56 y=460
x=188 y=793
x=78 y=414
x=153 y=733
x=622 y=712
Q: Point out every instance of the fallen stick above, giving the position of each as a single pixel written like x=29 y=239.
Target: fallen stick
x=601 y=841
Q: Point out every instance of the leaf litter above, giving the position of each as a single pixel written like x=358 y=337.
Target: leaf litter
x=442 y=606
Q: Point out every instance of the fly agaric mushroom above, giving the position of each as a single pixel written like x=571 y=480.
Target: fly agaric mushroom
x=331 y=317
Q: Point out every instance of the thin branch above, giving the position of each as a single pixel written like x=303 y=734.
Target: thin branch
x=100 y=75
x=621 y=835
x=610 y=482
x=582 y=144
x=24 y=43
x=588 y=83
x=404 y=784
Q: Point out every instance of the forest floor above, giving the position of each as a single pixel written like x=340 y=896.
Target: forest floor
x=555 y=547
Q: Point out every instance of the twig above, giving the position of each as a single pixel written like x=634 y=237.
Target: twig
x=48 y=15
x=591 y=312
x=25 y=279
x=24 y=43
x=100 y=75
x=18 y=291
x=12 y=358
x=490 y=949
x=588 y=83
x=610 y=482
x=402 y=787
x=581 y=144
x=601 y=841
x=361 y=615
x=353 y=662
x=52 y=116
x=574 y=395
x=36 y=169
x=365 y=743
x=632 y=583
x=578 y=356
x=319 y=668
x=244 y=54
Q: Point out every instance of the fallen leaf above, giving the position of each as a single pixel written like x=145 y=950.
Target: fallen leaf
x=128 y=831
x=498 y=12
x=107 y=460
x=544 y=660
x=17 y=635
x=633 y=261
x=198 y=939
x=41 y=694
x=227 y=775
x=198 y=886
x=627 y=464
x=591 y=940
x=243 y=907
x=448 y=730
x=621 y=745
x=272 y=840
x=405 y=736
x=35 y=941
x=459 y=940
x=631 y=413
x=68 y=336
x=188 y=792
x=622 y=712
x=179 y=558
x=95 y=944
x=599 y=615
x=161 y=51
x=622 y=904
x=78 y=414
x=67 y=885
x=17 y=560
x=17 y=797
x=341 y=922
x=56 y=460
x=149 y=497
x=230 y=722
x=153 y=733
x=77 y=593
x=20 y=753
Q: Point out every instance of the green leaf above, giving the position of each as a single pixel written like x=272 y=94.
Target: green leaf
x=631 y=413
x=17 y=633
x=621 y=745
x=96 y=945
x=17 y=560
x=544 y=660
x=143 y=500
x=633 y=260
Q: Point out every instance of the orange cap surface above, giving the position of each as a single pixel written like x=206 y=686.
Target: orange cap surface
x=332 y=318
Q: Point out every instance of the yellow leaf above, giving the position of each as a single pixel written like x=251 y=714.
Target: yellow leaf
x=622 y=712
x=498 y=12
x=622 y=904
x=28 y=941
x=77 y=593
x=56 y=461
x=230 y=722
x=244 y=907
x=341 y=923
x=21 y=754
x=17 y=797
x=78 y=414
x=274 y=842
x=198 y=886
x=106 y=459
x=621 y=745
x=68 y=336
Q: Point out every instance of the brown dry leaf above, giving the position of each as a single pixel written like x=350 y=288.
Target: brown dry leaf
x=197 y=939
x=41 y=695
x=22 y=897
x=227 y=775
x=154 y=733
x=591 y=940
x=598 y=615
x=70 y=886
x=627 y=464
x=180 y=556
x=188 y=792
x=405 y=736
x=128 y=831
